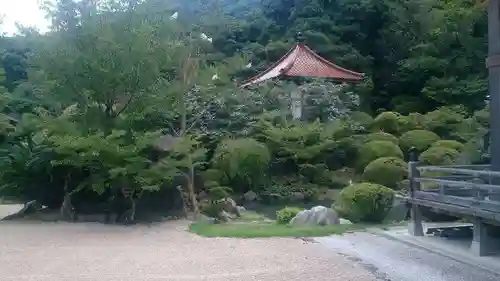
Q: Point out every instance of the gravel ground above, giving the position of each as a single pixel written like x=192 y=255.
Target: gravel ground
x=396 y=261
x=64 y=251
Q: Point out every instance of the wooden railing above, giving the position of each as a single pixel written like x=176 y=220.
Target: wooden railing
x=467 y=190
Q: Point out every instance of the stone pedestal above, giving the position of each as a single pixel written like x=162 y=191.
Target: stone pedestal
x=415 y=226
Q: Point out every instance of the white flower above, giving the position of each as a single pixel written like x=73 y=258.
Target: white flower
x=215 y=77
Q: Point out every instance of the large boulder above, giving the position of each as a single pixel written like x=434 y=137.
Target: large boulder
x=250 y=196
x=318 y=215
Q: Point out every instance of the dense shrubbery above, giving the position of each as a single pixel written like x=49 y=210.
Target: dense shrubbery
x=135 y=111
x=387 y=122
x=365 y=202
x=419 y=139
x=387 y=171
x=439 y=155
x=381 y=136
x=376 y=149
x=245 y=162
x=449 y=144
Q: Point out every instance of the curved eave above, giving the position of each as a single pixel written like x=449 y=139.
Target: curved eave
x=301 y=61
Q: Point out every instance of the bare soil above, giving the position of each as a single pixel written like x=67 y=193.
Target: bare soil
x=55 y=251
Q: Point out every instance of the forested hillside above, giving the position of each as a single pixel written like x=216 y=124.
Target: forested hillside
x=127 y=98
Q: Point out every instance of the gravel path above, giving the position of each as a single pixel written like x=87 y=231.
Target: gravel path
x=81 y=252
x=396 y=261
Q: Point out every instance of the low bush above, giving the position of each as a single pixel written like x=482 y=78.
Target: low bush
x=450 y=144
x=419 y=139
x=365 y=202
x=377 y=149
x=388 y=171
x=387 y=122
x=439 y=155
x=286 y=214
x=381 y=136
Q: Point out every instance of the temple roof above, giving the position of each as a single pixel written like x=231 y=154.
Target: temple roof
x=304 y=62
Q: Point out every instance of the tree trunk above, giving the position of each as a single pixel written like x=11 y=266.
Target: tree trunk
x=132 y=210
x=192 y=193
x=66 y=210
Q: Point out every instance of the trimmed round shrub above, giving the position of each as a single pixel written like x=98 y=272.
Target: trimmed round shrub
x=413 y=121
x=245 y=162
x=387 y=122
x=439 y=155
x=420 y=139
x=377 y=149
x=382 y=136
x=285 y=215
x=365 y=202
x=450 y=144
x=388 y=171
x=361 y=118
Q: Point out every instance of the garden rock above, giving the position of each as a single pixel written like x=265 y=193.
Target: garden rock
x=298 y=196
x=206 y=219
x=28 y=208
x=241 y=209
x=344 y=221
x=318 y=215
x=225 y=216
x=229 y=205
x=202 y=195
x=250 y=196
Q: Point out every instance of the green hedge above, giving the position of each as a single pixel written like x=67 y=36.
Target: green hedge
x=365 y=202
x=450 y=144
x=388 y=171
x=382 y=136
x=439 y=155
x=420 y=139
x=377 y=149
x=387 y=122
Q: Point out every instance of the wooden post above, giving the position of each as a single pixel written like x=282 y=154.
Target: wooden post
x=415 y=226
x=481 y=243
x=493 y=64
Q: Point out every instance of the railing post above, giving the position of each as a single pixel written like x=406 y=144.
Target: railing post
x=415 y=226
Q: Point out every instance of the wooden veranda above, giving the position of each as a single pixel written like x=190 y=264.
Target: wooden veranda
x=471 y=191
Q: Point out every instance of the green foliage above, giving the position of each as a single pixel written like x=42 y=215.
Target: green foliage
x=214 y=175
x=387 y=122
x=381 y=136
x=361 y=118
x=414 y=121
x=365 y=202
x=377 y=149
x=439 y=155
x=286 y=214
x=446 y=121
x=244 y=161
x=450 y=144
x=387 y=171
x=419 y=139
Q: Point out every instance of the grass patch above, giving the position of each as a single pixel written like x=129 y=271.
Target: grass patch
x=251 y=216
x=271 y=229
